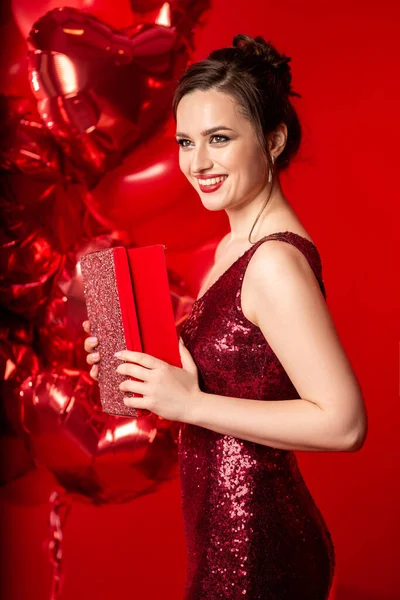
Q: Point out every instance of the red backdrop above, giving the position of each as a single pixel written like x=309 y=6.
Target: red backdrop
x=345 y=63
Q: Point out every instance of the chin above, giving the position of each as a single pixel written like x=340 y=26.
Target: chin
x=212 y=203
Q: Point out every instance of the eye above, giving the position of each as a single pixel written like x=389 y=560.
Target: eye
x=220 y=138
x=182 y=142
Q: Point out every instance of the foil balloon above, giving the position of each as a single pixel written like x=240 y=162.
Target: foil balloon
x=99 y=91
x=100 y=96
x=17 y=361
x=95 y=456
x=118 y=13
x=27 y=147
x=152 y=172
x=30 y=256
x=13 y=68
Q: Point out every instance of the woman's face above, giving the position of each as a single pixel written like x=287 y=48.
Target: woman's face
x=216 y=141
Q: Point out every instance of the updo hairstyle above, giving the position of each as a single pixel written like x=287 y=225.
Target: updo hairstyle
x=259 y=78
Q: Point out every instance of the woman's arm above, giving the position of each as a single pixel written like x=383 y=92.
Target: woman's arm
x=290 y=310
x=286 y=424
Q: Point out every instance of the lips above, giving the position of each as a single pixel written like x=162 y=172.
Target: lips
x=214 y=182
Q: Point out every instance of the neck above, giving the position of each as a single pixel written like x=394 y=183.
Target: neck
x=242 y=218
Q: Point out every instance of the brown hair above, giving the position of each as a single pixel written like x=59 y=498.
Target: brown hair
x=259 y=78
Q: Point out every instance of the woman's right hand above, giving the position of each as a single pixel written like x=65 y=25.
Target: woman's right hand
x=92 y=357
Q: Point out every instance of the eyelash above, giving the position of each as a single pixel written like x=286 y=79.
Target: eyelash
x=223 y=137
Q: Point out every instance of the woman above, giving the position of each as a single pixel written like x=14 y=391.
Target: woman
x=264 y=372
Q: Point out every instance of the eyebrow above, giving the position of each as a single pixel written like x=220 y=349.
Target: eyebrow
x=207 y=131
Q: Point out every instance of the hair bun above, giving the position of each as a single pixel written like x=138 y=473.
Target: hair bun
x=257 y=47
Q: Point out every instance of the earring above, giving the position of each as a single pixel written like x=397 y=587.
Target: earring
x=270 y=170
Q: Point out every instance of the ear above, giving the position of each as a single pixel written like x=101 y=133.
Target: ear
x=277 y=139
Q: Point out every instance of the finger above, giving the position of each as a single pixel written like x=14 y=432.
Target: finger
x=90 y=343
x=94 y=372
x=141 y=358
x=133 y=370
x=86 y=326
x=92 y=358
x=135 y=387
x=136 y=402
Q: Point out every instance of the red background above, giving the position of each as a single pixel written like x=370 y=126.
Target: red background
x=345 y=64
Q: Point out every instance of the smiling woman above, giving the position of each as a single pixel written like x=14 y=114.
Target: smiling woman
x=263 y=370
x=273 y=374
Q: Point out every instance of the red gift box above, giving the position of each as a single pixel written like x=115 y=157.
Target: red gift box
x=129 y=307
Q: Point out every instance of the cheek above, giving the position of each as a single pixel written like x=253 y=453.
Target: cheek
x=247 y=163
x=256 y=165
x=241 y=157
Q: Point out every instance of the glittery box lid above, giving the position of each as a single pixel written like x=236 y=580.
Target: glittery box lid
x=129 y=307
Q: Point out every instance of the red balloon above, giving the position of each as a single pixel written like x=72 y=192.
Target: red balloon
x=121 y=198
x=95 y=457
x=17 y=361
x=149 y=197
x=91 y=454
x=99 y=91
x=13 y=67
x=118 y=13
x=27 y=147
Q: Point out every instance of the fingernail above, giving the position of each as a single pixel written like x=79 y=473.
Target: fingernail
x=117 y=354
x=95 y=355
x=92 y=340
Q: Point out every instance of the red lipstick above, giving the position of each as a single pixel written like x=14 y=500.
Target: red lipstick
x=210 y=188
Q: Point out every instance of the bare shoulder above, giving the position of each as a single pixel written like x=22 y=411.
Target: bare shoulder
x=274 y=261
x=274 y=254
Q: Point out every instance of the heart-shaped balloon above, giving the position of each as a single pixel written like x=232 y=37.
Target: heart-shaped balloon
x=99 y=91
x=95 y=457
x=118 y=13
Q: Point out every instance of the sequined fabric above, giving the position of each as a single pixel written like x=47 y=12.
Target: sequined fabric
x=104 y=313
x=252 y=527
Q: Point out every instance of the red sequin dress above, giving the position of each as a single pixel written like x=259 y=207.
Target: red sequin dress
x=252 y=527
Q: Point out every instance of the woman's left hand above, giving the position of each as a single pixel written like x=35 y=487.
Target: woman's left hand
x=168 y=391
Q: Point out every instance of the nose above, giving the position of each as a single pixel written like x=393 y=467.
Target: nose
x=201 y=159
